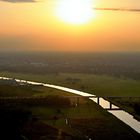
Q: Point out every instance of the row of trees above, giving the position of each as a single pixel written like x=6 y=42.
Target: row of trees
x=49 y=101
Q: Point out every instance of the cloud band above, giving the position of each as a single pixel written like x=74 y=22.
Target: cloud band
x=117 y=9
x=14 y=1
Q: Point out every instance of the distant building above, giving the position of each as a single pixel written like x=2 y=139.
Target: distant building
x=10 y=81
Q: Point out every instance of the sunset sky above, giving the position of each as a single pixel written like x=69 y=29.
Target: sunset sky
x=69 y=25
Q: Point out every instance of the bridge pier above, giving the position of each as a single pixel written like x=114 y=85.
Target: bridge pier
x=98 y=100
x=110 y=106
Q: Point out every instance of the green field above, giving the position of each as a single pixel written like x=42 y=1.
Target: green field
x=94 y=84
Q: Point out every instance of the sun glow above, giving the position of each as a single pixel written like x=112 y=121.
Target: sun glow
x=75 y=11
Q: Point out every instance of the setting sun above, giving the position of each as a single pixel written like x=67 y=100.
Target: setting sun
x=74 y=11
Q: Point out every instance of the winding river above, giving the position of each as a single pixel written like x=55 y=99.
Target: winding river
x=120 y=114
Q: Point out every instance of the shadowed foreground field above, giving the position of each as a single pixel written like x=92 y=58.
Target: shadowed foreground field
x=63 y=118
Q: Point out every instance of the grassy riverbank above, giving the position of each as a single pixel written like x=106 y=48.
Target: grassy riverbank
x=95 y=84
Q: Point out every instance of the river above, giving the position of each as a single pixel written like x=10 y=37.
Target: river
x=120 y=114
